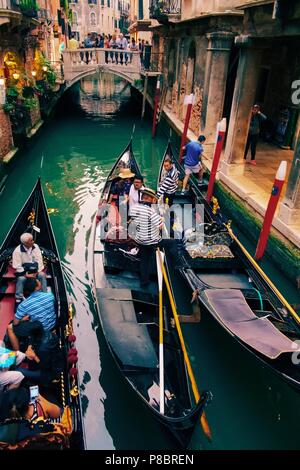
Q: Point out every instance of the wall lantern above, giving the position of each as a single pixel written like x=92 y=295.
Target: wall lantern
x=16 y=75
x=45 y=68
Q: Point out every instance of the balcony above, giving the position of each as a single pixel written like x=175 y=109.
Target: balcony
x=165 y=11
x=9 y=12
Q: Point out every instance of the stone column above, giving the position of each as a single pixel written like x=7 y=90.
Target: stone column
x=289 y=209
x=243 y=100
x=216 y=69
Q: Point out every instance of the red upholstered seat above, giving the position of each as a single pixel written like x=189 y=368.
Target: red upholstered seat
x=10 y=272
x=7 y=313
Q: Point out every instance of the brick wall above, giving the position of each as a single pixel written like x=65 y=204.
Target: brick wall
x=6 y=140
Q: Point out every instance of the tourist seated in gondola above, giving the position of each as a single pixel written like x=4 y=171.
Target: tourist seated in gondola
x=25 y=257
x=135 y=192
x=121 y=186
x=16 y=403
x=9 y=361
x=35 y=312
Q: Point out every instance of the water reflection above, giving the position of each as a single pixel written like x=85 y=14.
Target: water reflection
x=103 y=94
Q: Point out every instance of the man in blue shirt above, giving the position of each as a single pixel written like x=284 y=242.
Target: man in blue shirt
x=36 y=312
x=192 y=160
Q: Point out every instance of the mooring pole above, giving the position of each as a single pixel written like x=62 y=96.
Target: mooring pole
x=144 y=96
x=189 y=101
x=270 y=212
x=221 y=129
x=156 y=103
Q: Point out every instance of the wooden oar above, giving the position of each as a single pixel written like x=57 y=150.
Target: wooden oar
x=203 y=419
x=263 y=274
x=159 y=263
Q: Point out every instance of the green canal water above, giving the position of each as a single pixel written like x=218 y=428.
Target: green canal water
x=251 y=408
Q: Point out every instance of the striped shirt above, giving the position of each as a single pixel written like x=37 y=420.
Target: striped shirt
x=169 y=182
x=144 y=228
x=39 y=306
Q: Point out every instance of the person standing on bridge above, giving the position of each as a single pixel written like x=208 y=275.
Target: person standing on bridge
x=73 y=43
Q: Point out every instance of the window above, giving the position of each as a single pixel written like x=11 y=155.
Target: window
x=93 y=19
x=108 y=3
x=94 y=2
x=141 y=10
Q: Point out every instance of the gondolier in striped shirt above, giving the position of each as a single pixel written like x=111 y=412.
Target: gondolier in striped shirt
x=169 y=182
x=145 y=229
x=167 y=188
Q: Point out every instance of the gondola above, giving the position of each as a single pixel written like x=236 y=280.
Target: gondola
x=232 y=287
x=129 y=319
x=67 y=431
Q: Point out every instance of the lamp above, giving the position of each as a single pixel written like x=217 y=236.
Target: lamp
x=45 y=68
x=16 y=75
x=2 y=81
x=33 y=73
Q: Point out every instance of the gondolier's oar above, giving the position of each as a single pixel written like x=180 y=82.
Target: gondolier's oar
x=263 y=274
x=204 y=423
x=159 y=263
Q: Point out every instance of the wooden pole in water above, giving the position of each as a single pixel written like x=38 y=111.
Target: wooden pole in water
x=156 y=103
x=189 y=101
x=159 y=264
x=221 y=129
x=144 y=95
x=270 y=212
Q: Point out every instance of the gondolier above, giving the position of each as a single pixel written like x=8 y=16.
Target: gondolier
x=145 y=230
x=169 y=181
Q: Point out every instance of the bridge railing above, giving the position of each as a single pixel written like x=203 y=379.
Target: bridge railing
x=79 y=59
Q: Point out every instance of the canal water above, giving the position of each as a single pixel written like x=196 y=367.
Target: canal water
x=251 y=408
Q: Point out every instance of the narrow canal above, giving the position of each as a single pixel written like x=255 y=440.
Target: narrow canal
x=251 y=409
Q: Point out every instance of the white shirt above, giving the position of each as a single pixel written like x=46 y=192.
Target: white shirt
x=134 y=197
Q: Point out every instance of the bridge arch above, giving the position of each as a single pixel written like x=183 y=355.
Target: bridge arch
x=83 y=62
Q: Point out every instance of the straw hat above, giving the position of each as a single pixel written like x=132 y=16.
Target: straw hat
x=149 y=192
x=126 y=173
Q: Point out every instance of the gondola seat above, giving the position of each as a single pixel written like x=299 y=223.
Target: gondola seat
x=129 y=339
x=259 y=333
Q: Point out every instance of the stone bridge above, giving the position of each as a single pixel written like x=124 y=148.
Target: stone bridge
x=82 y=62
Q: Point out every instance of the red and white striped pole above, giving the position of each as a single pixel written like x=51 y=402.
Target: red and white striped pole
x=156 y=103
x=189 y=100
x=270 y=212
x=221 y=129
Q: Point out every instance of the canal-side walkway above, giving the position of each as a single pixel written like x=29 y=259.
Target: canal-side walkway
x=254 y=186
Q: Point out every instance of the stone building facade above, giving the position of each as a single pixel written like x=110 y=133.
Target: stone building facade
x=98 y=16
x=28 y=30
